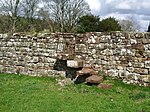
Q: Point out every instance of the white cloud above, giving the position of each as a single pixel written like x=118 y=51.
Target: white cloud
x=120 y=9
x=123 y=5
x=95 y=5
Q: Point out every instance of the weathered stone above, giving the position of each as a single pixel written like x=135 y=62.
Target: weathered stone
x=130 y=69
x=123 y=73
x=113 y=73
x=92 y=39
x=104 y=62
x=34 y=59
x=137 y=64
x=94 y=79
x=146 y=41
x=87 y=70
x=105 y=86
x=74 y=63
x=147 y=47
x=119 y=67
x=141 y=71
x=145 y=78
x=133 y=41
x=147 y=64
x=51 y=60
x=101 y=46
x=108 y=52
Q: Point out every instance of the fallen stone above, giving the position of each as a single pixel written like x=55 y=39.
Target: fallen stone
x=104 y=86
x=94 y=79
x=87 y=70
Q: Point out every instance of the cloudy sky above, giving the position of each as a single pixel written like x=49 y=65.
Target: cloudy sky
x=139 y=10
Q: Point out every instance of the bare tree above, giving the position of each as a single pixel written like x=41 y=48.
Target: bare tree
x=29 y=10
x=11 y=8
x=44 y=15
x=66 y=12
x=129 y=25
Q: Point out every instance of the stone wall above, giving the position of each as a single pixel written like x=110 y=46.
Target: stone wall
x=119 y=54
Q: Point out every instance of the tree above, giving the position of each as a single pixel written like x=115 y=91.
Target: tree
x=148 y=28
x=88 y=23
x=30 y=10
x=44 y=15
x=66 y=13
x=129 y=25
x=11 y=8
x=109 y=24
x=4 y=23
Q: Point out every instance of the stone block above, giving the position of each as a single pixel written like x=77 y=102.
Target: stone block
x=147 y=47
x=133 y=41
x=123 y=73
x=87 y=70
x=101 y=46
x=104 y=39
x=141 y=71
x=94 y=79
x=145 y=78
x=147 y=64
x=108 y=52
x=113 y=73
x=92 y=39
x=34 y=60
x=74 y=63
x=60 y=47
x=130 y=69
x=51 y=60
x=147 y=54
x=137 y=64
x=146 y=41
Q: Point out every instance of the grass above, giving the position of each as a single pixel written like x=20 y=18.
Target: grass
x=19 y=93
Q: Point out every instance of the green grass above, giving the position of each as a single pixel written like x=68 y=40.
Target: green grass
x=19 y=93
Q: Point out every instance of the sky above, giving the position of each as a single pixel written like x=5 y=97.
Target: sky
x=138 y=10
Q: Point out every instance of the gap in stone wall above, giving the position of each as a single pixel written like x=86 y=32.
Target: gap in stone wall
x=61 y=65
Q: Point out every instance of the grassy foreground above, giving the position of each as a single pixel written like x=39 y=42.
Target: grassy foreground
x=20 y=93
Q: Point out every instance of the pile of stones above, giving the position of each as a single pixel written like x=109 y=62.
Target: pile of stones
x=87 y=75
x=91 y=77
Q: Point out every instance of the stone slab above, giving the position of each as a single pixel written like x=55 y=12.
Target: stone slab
x=74 y=63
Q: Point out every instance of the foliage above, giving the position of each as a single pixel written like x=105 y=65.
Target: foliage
x=5 y=23
x=88 y=23
x=59 y=15
x=11 y=8
x=22 y=24
x=20 y=93
x=109 y=24
x=91 y=23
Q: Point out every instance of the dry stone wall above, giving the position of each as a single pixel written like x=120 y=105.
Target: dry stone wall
x=120 y=54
